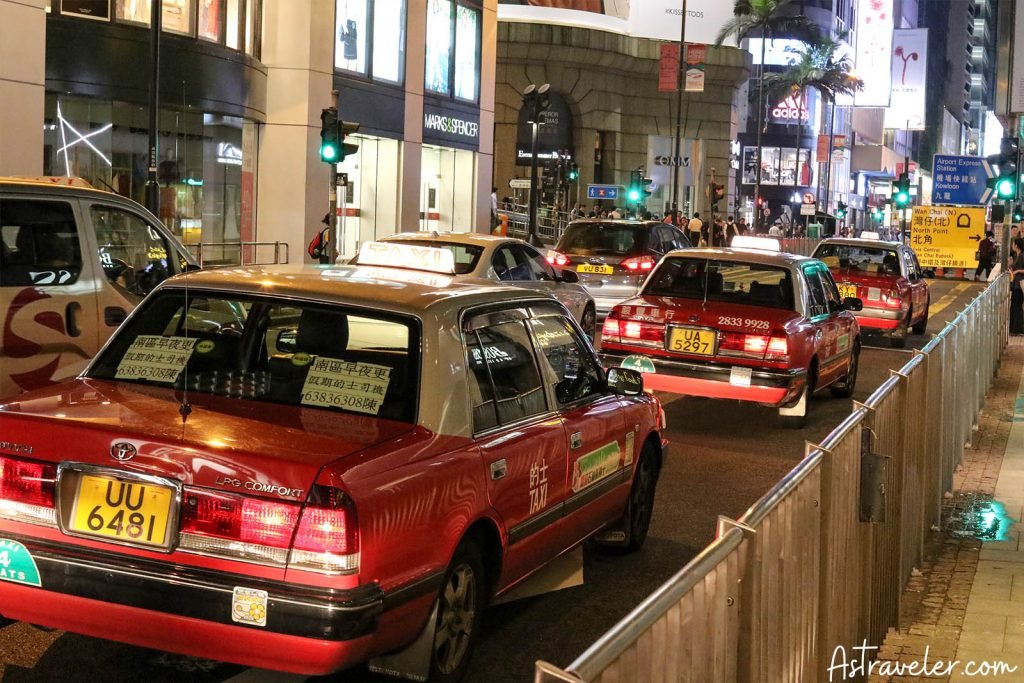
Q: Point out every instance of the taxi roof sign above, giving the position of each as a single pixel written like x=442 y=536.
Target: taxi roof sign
x=870 y=235
x=410 y=256
x=59 y=180
x=761 y=243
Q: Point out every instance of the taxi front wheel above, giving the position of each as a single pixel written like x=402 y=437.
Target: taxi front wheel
x=459 y=609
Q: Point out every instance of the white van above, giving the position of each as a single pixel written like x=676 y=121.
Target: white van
x=74 y=261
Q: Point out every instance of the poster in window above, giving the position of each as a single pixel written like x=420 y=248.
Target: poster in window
x=467 y=41
x=92 y=9
x=388 y=40
x=209 y=19
x=439 y=46
x=351 y=36
x=177 y=16
x=133 y=10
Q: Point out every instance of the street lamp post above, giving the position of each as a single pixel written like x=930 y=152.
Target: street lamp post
x=152 y=181
x=536 y=101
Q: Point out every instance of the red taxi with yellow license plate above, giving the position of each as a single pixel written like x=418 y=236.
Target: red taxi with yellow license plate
x=301 y=469
x=752 y=325
x=887 y=278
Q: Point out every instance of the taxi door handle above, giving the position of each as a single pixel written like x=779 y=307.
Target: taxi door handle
x=71 y=312
x=576 y=440
x=499 y=468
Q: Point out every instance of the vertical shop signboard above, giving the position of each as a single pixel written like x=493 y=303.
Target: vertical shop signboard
x=696 y=55
x=668 y=71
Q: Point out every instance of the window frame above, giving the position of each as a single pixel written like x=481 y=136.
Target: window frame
x=371 y=45
x=539 y=313
x=81 y=240
x=472 y=6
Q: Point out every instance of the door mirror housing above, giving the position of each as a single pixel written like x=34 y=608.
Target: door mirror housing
x=570 y=276
x=853 y=304
x=625 y=382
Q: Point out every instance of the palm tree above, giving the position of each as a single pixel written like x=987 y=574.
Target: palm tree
x=767 y=19
x=816 y=67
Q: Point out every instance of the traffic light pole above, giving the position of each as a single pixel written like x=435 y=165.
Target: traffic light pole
x=534 y=198
x=680 y=84
x=152 y=181
x=333 y=197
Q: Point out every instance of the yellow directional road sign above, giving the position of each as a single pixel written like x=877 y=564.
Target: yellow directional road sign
x=947 y=236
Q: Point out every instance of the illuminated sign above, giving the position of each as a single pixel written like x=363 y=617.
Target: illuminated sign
x=909 y=68
x=874 y=52
x=414 y=257
x=791 y=110
x=227 y=153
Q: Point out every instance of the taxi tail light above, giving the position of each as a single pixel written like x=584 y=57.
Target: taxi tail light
x=778 y=348
x=892 y=299
x=742 y=345
x=327 y=539
x=237 y=518
x=636 y=264
x=633 y=333
x=29 y=483
x=610 y=330
x=557 y=258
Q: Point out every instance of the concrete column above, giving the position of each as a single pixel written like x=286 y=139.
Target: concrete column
x=22 y=85
x=485 y=160
x=293 y=183
x=412 y=147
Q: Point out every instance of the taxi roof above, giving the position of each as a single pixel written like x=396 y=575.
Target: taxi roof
x=474 y=238
x=394 y=289
x=859 y=242
x=764 y=257
x=65 y=184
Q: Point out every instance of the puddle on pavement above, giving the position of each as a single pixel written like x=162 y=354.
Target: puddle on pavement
x=976 y=515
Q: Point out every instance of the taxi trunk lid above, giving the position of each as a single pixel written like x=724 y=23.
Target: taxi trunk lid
x=244 y=447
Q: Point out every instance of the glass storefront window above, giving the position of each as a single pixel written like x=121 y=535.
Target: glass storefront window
x=91 y=9
x=770 y=166
x=177 y=16
x=749 y=165
x=252 y=16
x=373 y=196
x=439 y=46
x=447 y=196
x=388 y=48
x=210 y=19
x=133 y=10
x=467 y=49
x=778 y=166
x=233 y=22
x=350 y=50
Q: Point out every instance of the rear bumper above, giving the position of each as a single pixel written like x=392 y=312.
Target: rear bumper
x=608 y=296
x=188 y=610
x=712 y=380
x=885 y=319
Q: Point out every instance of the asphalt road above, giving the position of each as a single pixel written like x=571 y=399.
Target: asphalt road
x=723 y=456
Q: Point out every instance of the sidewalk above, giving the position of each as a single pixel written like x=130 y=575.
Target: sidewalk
x=967 y=602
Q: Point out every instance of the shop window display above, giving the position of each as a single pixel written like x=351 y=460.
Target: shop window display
x=439 y=46
x=467 y=50
x=90 y=9
x=381 y=58
x=778 y=166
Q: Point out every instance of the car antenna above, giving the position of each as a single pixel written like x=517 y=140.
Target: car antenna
x=707 y=274
x=185 y=408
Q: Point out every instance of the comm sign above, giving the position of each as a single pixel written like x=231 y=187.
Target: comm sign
x=947 y=236
x=961 y=180
x=602 y=191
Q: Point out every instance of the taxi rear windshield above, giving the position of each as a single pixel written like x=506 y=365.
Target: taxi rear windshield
x=262 y=349
x=466 y=255
x=852 y=259
x=603 y=239
x=734 y=282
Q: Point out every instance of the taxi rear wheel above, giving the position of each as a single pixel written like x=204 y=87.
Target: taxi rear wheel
x=460 y=607
x=922 y=325
x=800 y=421
x=589 y=323
x=636 y=521
x=845 y=388
x=899 y=340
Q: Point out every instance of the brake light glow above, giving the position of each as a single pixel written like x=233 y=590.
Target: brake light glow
x=557 y=258
x=778 y=348
x=633 y=333
x=610 y=330
x=26 y=491
x=327 y=539
x=753 y=343
x=638 y=263
x=892 y=299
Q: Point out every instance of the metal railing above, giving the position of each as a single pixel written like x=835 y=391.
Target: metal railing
x=821 y=560
x=550 y=222
x=210 y=254
x=804 y=246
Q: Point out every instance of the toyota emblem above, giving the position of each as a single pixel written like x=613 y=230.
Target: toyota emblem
x=122 y=451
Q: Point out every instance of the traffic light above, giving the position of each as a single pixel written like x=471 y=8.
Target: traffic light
x=716 y=192
x=345 y=129
x=330 y=144
x=633 y=194
x=841 y=210
x=901 y=191
x=1007 y=162
x=1018 y=213
x=574 y=173
x=876 y=213
x=645 y=187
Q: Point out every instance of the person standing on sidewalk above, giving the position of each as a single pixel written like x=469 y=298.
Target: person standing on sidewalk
x=986 y=256
x=695 y=226
x=1016 y=294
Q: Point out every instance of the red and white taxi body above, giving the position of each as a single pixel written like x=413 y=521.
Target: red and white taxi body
x=296 y=468
x=886 y=277
x=749 y=325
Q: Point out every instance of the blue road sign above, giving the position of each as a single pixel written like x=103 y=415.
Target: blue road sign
x=602 y=191
x=961 y=180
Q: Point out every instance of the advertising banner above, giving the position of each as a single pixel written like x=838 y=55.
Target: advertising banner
x=695 y=57
x=553 y=135
x=668 y=68
x=947 y=236
x=874 y=52
x=798 y=108
x=661 y=161
x=909 y=69
x=1017 y=66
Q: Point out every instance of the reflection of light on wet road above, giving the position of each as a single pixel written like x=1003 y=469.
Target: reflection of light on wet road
x=975 y=515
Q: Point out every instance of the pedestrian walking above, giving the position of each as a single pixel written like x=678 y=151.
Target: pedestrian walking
x=731 y=230
x=986 y=256
x=1016 y=293
x=695 y=226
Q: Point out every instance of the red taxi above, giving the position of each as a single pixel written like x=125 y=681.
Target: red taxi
x=301 y=469
x=887 y=278
x=746 y=324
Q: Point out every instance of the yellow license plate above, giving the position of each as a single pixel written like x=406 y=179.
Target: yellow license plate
x=127 y=511
x=693 y=340
x=600 y=270
x=848 y=291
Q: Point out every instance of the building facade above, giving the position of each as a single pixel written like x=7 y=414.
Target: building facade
x=242 y=86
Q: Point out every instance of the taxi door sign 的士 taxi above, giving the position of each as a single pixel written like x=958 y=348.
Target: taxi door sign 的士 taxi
x=947 y=236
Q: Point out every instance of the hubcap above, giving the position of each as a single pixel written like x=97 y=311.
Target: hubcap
x=456 y=619
x=590 y=324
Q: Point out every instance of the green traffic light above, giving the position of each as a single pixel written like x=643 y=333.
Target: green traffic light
x=634 y=195
x=1006 y=188
x=328 y=152
x=902 y=198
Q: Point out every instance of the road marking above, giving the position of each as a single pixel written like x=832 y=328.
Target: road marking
x=948 y=298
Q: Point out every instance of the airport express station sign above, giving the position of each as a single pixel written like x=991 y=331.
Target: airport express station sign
x=947 y=236
x=961 y=180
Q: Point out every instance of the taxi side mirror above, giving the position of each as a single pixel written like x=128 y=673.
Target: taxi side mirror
x=570 y=276
x=853 y=304
x=625 y=382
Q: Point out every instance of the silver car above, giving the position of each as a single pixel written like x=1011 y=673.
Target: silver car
x=613 y=258
x=509 y=261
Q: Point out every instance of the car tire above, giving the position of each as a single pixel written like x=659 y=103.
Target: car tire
x=800 y=421
x=900 y=341
x=921 y=326
x=845 y=388
x=589 y=323
x=460 y=606
x=636 y=520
